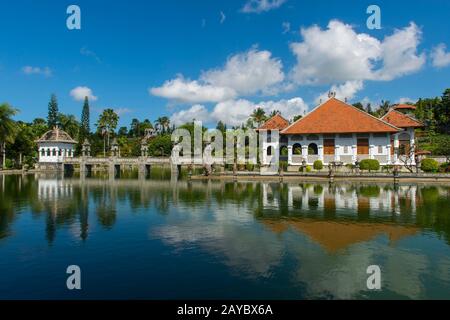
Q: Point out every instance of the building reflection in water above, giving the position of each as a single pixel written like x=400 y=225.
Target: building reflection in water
x=329 y=233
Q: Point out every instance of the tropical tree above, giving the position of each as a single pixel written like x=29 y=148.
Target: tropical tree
x=106 y=124
x=53 y=113
x=135 y=128
x=383 y=108
x=85 y=120
x=70 y=125
x=258 y=116
x=8 y=128
x=162 y=124
x=274 y=113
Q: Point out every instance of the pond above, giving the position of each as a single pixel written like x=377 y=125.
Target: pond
x=179 y=239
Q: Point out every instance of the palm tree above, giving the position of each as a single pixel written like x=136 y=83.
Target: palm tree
x=107 y=123
x=162 y=124
x=259 y=116
x=384 y=108
x=69 y=124
x=7 y=128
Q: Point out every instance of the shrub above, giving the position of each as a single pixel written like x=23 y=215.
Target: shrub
x=318 y=165
x=429 y=165
x=369 y=164
x=308 y=169
x=283 y=165
x=250 y=166
x=444 y=167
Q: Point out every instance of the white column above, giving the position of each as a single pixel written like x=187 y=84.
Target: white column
x=371 y=146
x=396 y=146
x=305 y=151
x=412 y=143
x=354 y=148
x=289 y=153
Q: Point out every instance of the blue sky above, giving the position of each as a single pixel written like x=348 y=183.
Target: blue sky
x=212 y=60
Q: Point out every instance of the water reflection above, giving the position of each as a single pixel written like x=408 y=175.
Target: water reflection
x=313 y=240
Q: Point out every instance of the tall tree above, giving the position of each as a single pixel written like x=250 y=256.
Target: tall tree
x=135 y=128
x=222 y=127
x=53 y=112
x=162 y=124
x=70 y=125
x=7 y=128
x=85 y=120
x=107 y=123
x=444 y=112
x=258 y=116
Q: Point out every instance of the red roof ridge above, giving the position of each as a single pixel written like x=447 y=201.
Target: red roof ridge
x=270 y=119
x=402 y=114
x=355 y=108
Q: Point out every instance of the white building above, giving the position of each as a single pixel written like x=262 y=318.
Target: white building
x=54 y=146
x=336 y=132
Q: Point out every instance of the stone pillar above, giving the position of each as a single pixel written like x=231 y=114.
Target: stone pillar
x=396 y=147
x=305 y=152
x=290 y=154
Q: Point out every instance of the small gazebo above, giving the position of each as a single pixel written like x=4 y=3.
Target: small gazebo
x=54 y=146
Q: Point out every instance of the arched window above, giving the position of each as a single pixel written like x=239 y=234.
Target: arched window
x=42 y=152
x=54 y=152
x=313 y=149
x=70 y=153
x=283 y=151
x=48 y=152
x=59 y=152
x=297 y=149
x=269 y=151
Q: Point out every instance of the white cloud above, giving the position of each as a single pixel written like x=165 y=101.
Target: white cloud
x=248 y=73
x=29 y=70
x=258 y=6
x=197 y=112
x=223 y=17
x=405 y=100
x=339 y=54
x=183 y=90
x=236 y=112
x=245 y=73
x=344 y=91
x=79 y=93
x=440 y=58
x=122 y=111
x=399 y=54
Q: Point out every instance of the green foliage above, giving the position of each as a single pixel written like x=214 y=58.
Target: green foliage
x=369 y=164
x=53 y=112
x=250 y=166
x=429 y=165
x=258 y=116
x=444 y=167
x=160 y=146
x=85 y=120
x=370 y=191
x=318 y=165
x=283 y=165
x=308 y=169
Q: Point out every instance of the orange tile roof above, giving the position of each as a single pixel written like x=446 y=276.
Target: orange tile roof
x=335 y=116
x=277 y=122
x=401 y=120
x=405 y=106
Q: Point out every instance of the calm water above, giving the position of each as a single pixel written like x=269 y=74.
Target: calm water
x=168 y=239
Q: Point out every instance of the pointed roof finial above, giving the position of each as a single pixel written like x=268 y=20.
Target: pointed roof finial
x=331 y=94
